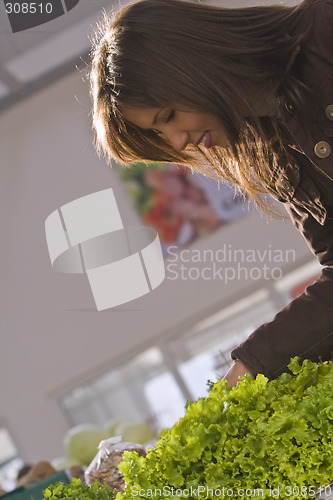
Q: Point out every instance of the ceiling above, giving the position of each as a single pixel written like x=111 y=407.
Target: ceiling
x=32 y=58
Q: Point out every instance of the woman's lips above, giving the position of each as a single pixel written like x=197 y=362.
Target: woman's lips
x=205 y=139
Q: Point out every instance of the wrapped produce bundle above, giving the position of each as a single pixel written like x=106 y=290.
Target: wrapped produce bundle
x=104 y=467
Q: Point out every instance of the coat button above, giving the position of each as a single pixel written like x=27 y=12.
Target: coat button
x=329 y=112
x=322 y=149
x=285 y=184
x=289 y=107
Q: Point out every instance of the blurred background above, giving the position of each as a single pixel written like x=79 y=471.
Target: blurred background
x=62 y=363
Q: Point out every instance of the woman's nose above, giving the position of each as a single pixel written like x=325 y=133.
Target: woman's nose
x=178 y=139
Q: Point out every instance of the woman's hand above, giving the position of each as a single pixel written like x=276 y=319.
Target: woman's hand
x=238 y=369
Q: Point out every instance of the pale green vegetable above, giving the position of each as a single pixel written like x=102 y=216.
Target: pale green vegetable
x=114 y=424
x=135 y=433
x=81 y=442
x=130 y=431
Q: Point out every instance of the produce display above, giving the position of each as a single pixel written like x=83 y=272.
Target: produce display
x=76 y=490
x=263 y=439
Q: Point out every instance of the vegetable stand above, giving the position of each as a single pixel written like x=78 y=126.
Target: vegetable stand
x=263 y=439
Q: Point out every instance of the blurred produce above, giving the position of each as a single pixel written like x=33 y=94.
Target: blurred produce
x=23 y=470
x=130 y=431
x=81 y=442
x=113 y=424
x=136 y=433
x=36 y=473
x=77 y=471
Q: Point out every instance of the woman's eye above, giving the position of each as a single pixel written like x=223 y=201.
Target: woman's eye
x=170 y=116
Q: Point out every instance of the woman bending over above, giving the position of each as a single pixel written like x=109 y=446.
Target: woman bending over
x=243 y=95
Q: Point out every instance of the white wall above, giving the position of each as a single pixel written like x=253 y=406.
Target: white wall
x=51 y=335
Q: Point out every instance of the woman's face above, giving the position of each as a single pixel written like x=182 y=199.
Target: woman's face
x=180 y=126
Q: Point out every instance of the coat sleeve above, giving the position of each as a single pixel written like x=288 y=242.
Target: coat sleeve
x=305 y=327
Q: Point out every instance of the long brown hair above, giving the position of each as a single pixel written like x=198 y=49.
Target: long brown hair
x=155 y=53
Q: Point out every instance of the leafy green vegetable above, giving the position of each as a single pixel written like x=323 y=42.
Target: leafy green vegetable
x=261 y=439
x=75 y=490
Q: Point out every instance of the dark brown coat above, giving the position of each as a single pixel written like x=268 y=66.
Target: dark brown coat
x=305 y=327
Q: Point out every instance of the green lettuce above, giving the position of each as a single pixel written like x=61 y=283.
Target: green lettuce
x=261 y=439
